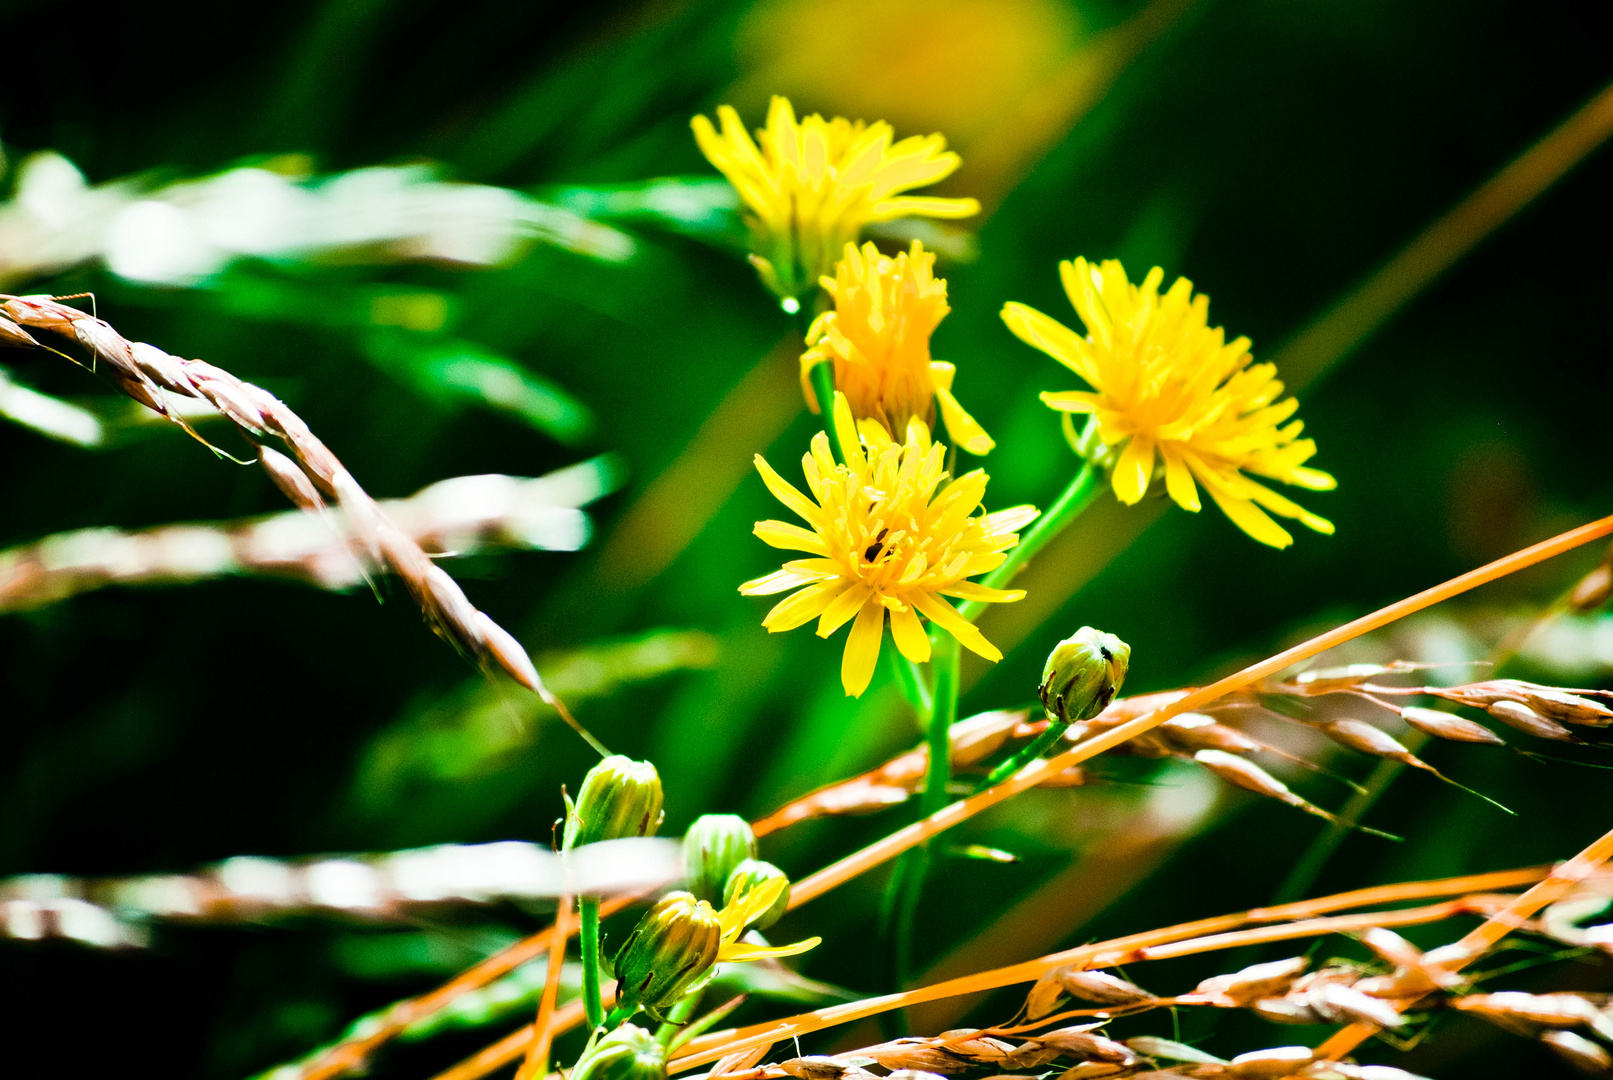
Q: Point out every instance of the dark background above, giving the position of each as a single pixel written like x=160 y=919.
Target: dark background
x=1275 y=153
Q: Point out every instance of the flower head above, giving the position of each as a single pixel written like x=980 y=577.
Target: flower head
x=878 y=338
x=1163 y=380
x=812 y=185
x=887 y=533
x=620 y=797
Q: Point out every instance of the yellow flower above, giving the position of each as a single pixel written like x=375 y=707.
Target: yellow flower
x=885 y=536
x=878 y=338
x=1162 y=379
x=811 y=186
x=746 y=909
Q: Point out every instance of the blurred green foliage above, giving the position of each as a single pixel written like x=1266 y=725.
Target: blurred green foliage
x=1275 y=153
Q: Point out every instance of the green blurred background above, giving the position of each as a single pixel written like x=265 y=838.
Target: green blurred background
x=1274 y=153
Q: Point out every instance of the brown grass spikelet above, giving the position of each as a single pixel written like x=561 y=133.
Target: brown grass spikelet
x=149 y=375
x=1526 y=720
x=1240 y=988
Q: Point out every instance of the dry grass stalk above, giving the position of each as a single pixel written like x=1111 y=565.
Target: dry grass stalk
x=1562 y=880
x=1099 y=954
x=393 y=887
x=817 y=884
x=537 y=1057
x=353 y=1054
x=308 y=477
x=452 y=517
x=903 y=839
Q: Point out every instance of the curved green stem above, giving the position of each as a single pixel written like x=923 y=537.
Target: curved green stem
x=1038 y=746
x=588 y=938
x=1082 y=491
x=823 y=387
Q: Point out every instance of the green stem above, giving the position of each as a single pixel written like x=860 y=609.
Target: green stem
x=588 y=937
x=620 y=1015
x=944 y=660
x=1039 y=746
x=907 y=881
x=823 y=388
x=677 y=1016
x=1075 y=498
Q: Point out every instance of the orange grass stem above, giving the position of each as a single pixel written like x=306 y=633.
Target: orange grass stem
x=943 y=819
x=1497 y=926
x=352 y=1054
x=719 y=1044
x=537 y=1056
x=494 y=1057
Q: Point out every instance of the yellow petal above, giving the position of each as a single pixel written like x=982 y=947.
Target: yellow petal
x=909 y=635
x=1252 y=520
x=740 y=951
x=802 y=607
x=965 y=432
x=1052 y=337
x=1072 y=401
x=1178 y=479
x=862 y=648
x=781 y=534
x=971 y=590
x=776 y=582
x=1133 y=470
x=945 y=616
x=846 y=605
x=786 y=493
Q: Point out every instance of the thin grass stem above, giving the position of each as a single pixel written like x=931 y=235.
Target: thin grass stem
x=536 y=1064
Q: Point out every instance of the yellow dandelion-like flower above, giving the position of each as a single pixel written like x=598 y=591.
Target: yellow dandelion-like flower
x=878 y=338
x=812 y=185
x=885 y=535
x=1163 y=380
x=745 y=910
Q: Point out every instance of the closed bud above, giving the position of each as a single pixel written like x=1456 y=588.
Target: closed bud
x=628 y=1053
x=620 y=798
x=752 y=874
x=1083 y=674
x=670 y=950
x=714 y=845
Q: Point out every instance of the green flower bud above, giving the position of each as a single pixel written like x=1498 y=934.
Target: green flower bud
x=628 y=1053
x=668 y=953
x=750 y=874
x=620 y=797
x=1084 y=672
x=713 y=846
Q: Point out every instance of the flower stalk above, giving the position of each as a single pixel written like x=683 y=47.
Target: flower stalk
x=823 y=385
x=588 y=939
x=1082 y=491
